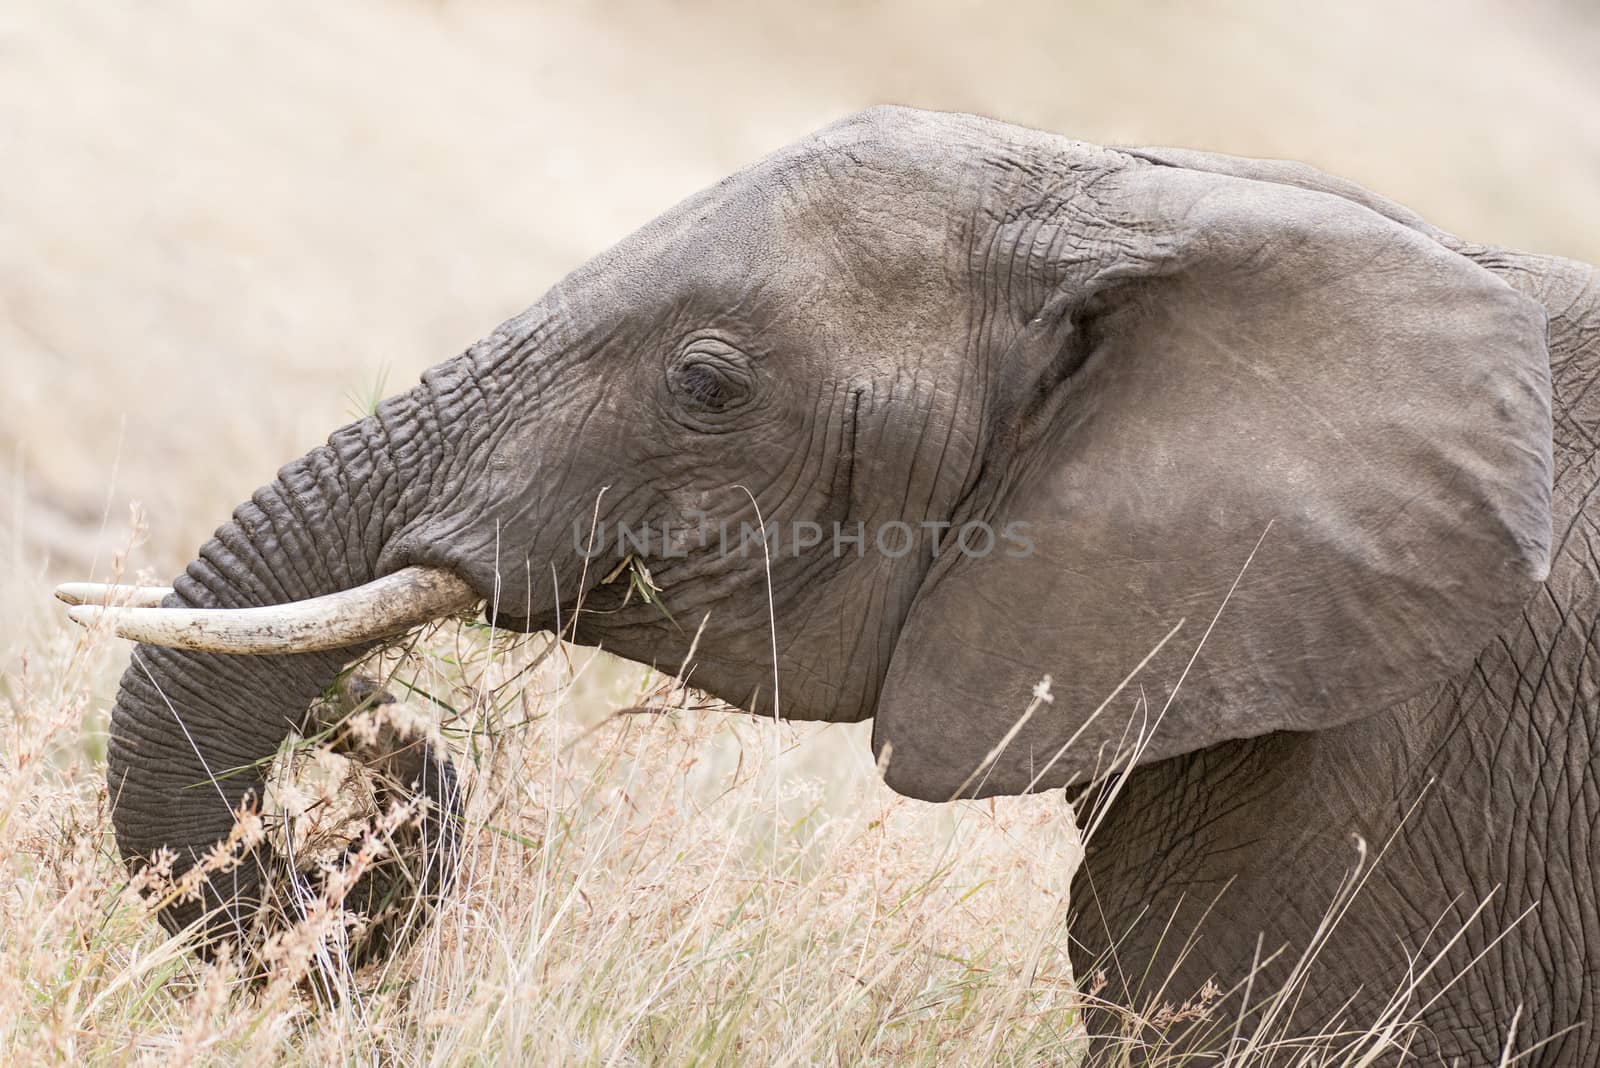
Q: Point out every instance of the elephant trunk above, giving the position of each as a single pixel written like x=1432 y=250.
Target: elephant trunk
x=193 y=733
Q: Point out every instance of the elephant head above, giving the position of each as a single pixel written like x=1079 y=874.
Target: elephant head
x=1010 y=405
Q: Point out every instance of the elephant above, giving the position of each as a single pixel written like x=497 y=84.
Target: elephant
x=1242 y=504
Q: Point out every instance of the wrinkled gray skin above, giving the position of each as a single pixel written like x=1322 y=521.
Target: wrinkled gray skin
x=1242 y=395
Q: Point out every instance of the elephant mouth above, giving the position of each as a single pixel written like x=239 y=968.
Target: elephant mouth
x=373 y=611
x=564 y=619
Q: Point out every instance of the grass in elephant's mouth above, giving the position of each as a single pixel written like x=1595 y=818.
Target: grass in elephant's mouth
x=678 y=886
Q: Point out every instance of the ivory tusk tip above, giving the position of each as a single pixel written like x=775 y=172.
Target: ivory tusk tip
x=90 y=615
x=103 y=593
x=85 y=615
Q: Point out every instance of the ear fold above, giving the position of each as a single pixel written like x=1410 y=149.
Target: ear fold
x=1315 y=435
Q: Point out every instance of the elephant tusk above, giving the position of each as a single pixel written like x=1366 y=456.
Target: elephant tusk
x=379 y=609
x=105 y=593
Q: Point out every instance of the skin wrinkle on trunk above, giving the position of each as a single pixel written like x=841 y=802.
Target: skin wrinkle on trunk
x=183 y=717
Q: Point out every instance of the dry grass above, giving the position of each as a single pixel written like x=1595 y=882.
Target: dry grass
x=669 y=882
x=667 y=887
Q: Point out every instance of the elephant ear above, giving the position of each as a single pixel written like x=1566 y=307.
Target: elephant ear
x=1313 y=435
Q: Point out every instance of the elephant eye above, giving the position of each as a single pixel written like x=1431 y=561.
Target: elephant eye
x=703 y=384
x=711 y=377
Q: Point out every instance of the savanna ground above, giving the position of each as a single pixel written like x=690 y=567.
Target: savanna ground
x=224 y=228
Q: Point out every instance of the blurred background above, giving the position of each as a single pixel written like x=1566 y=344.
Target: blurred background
x=225 y=227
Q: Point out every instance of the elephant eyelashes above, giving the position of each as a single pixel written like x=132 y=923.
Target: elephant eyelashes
x=706 y=386
x=711 y=378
